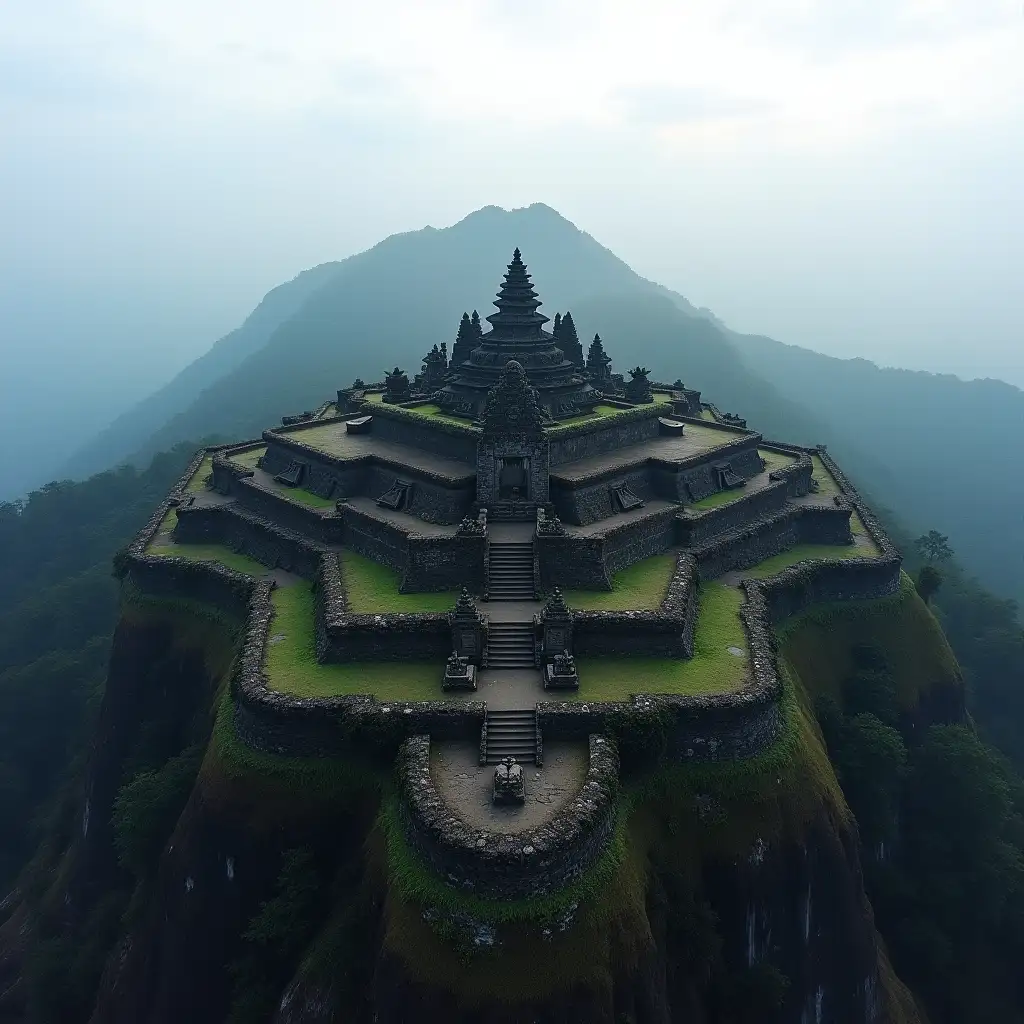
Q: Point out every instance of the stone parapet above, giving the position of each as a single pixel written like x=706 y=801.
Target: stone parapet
x=499 y=865
x=771 y=535
x=665 y=633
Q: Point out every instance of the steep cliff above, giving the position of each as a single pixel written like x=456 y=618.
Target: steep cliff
x=193 y=879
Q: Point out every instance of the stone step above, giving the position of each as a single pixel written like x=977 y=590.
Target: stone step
x=511 y=734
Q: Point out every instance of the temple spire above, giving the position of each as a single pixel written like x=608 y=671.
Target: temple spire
x=517 y=303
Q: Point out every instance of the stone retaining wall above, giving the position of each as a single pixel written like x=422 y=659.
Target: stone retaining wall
x=434 y=497
x=665 y=633
x=706 y=727
x=521 y=865
x=771 y=535
x=249 y=534
x=582 y=440
x=343 y=635
x=403 y=426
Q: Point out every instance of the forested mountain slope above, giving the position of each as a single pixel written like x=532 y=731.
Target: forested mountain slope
x=953 y=447
x=121 y=439
x=939 y=451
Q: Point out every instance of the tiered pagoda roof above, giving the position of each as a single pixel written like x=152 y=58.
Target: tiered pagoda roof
x=517 y=333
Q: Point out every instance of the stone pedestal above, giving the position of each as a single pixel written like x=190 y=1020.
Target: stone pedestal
x=556 y=627
x=509 y=783
x=468 y=639
x=560 y=673
x=459 y=674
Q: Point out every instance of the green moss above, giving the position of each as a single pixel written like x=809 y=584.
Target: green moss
x=435 y=412
x=321 y=778
x=371 y=588
x=163 y=545
x=770 y=797
x=292 y=667
x=712 y=669
x=430 y=926
x=248 y=458
x=828 y=486
x=809 y=552
x=417 y=882
x=707 y=414
x=642 y=585
x=303 y=497
x=819 y=643
x=197 y=482
x=775 y=460
x=718 y=498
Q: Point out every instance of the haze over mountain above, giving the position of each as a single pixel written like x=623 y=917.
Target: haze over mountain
x=837 y=175
x=918 y=442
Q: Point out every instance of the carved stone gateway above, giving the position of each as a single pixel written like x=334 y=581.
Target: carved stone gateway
x=467 y=629
x=513 y=453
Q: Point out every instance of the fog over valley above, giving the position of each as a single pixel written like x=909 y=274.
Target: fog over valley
x=833 y=176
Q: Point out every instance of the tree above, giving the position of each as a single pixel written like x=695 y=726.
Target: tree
x=598 y=362
x=465 y=342
x=478 y=331
x=929 y=579
x=557 y=326
x=569 y=342
x=934 y=546
x=871 y=761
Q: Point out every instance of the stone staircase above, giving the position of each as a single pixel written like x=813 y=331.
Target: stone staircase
x=510 y=572
x=511 y=734
x=510 y=645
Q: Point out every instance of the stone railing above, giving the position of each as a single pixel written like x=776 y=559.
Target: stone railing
x=501 y=865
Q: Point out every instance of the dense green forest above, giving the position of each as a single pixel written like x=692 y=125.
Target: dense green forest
x=58 y=606
x=941 y=815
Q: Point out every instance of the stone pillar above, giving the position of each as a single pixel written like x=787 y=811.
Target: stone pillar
x=556 y=627
x=468 y=629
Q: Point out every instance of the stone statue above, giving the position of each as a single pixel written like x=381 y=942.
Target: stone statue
x=396 y=386
x=509 y=783
x=639 y=387
x=459 y=674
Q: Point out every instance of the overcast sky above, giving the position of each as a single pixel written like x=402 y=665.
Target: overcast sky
x=843 y=175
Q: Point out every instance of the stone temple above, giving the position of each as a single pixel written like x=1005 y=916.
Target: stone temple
x=502 y=569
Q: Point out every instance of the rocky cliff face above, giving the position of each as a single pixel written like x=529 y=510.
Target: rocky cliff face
x=274 y=891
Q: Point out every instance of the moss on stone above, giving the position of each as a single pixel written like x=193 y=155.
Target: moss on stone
x=371 y=588
x=292 y=667
x=197 y=482
x=810 y=552
x=248 y=458
x=714 y=668
x=828 y=486
x=163 y=545
x=641 y=585
x=718 y=498
x=775 y=460
x=819 y=643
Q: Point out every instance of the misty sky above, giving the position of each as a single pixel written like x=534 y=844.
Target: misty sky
x=842 y=175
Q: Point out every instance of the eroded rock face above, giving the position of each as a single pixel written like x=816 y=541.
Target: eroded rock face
x=777 y=910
